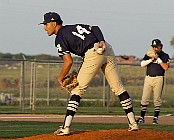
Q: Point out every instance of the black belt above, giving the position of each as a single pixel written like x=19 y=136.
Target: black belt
x=154 y=75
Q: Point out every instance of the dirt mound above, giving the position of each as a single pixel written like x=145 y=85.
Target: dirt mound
x=114 y=134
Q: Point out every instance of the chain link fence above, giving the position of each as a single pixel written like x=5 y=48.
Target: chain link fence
x=31 y=84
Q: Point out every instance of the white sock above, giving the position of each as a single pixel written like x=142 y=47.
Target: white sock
x=68 y=121
x=131 y=117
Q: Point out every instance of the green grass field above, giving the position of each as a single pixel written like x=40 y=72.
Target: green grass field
x=117 y=110
x=15 y=129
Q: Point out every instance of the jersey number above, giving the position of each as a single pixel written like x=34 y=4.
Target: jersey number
x=80 y=32
x=59 y=48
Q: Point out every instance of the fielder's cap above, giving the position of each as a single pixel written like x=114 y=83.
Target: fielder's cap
x=156 y=43
x=50 y=17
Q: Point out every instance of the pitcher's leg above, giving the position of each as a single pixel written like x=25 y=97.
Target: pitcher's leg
x=111 y=73
x=126 y=103
x=72 y=107
x=92 y=63
x=88 y=70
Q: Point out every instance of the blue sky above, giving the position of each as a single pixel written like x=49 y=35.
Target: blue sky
x=129 y=26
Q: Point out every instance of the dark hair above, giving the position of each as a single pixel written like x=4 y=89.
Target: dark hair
x=59 y=22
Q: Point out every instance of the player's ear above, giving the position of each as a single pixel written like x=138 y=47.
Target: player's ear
x=54 y=24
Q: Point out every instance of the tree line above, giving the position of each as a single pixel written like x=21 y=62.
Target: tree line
x=32 y=57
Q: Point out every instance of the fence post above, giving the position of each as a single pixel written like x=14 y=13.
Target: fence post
x=108 y=99
x=22 y=86
x=165 y=79
x=32 y=85
x=48 y=86
x=104 y=91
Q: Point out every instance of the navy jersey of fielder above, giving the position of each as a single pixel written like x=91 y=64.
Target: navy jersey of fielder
x=154 y=69
x=77 y=39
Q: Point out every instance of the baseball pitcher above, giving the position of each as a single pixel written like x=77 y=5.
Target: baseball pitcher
x=88 y=42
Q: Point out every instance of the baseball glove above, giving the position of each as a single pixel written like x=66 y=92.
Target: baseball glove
x=151 y=53
x=70 y=81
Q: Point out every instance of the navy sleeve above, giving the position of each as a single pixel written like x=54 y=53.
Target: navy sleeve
x=98 y=33
x=61 y=46
x=166 y=59
x=62 y=50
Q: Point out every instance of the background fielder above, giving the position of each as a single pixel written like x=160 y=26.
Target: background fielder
x=156 y=64
x=84 y=40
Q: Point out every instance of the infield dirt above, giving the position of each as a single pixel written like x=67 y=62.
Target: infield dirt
x=113 y=134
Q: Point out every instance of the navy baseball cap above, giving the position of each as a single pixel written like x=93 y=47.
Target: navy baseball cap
x=156 y=43
x=50 y=17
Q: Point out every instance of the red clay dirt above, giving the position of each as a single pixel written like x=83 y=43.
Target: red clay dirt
x=113 y=134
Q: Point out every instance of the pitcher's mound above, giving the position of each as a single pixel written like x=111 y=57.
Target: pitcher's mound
x=113 y=134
